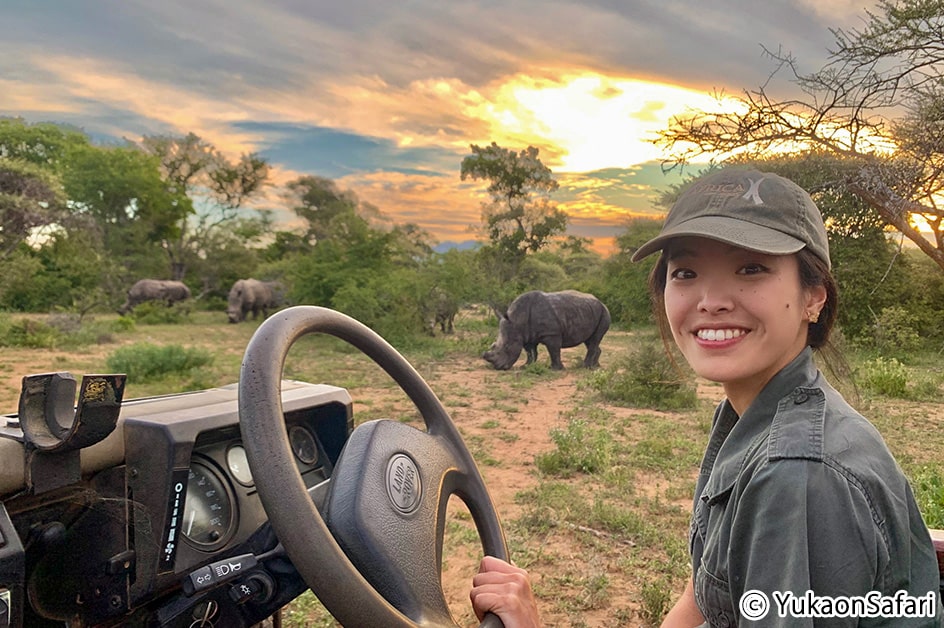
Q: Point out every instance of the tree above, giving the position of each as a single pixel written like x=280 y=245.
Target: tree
x=519 y=218
x=878 y=102
x=233 y=250
x=30 y=198
x=195 y=171
x=318 y=201
x=45 y=145
x=623 y=283
x=120 y=188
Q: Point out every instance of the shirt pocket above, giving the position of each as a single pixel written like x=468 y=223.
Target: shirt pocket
x=713 y=596
x=711 y=522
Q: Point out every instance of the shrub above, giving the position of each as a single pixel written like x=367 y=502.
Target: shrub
x=928 y=486
x=656 y=601
x=124 y=323
x=646 y=378
x=157 y=313
x=392 y=306
x=895 y=331
x=581 y=448
x=27 y=332
x=146 y=362
x=885 y=376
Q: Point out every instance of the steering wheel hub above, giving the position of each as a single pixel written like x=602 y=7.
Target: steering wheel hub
x=404 y=486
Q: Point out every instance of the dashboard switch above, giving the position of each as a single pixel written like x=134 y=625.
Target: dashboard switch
x=245 y=590
x=218 y=572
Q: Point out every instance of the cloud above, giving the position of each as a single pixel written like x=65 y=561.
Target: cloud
x=335 y=153
x=387 y=97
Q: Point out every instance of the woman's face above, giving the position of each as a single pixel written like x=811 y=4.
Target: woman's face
x=737 y=316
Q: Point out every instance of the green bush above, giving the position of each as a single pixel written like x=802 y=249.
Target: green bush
x=656 y=601
x=885 y=376
x=581 y=448
x=157 y=313
x=623 y=284
x=895 y=331
x=646 y=378
x=389 y=305
x=26 y=332
x=124 y=323
x=144 y=362
x=928 y=486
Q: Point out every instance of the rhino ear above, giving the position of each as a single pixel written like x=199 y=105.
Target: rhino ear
x=499 y=313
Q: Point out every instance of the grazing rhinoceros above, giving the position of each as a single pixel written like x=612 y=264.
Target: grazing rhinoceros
x=554 y=319
x=168 y=291
x=441 y=309
x=252 y=295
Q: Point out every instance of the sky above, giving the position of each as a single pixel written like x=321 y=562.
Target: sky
x=385 y=98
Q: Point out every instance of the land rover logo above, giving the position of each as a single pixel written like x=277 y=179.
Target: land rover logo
x=403 y=483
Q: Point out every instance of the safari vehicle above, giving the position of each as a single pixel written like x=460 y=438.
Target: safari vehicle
x=219 y=507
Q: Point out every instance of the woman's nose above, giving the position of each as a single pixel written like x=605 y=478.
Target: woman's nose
x=715 y=297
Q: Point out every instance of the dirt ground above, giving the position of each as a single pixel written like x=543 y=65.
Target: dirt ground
x=538 y=412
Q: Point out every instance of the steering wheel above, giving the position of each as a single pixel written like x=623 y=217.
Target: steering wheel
x=374 y=556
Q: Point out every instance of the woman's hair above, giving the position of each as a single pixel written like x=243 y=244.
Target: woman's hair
x=813 y=272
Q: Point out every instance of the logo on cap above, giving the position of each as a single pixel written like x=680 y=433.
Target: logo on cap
x=753 y=194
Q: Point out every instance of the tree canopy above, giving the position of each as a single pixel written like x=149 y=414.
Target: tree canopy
x=519 y=217
x=877 y=103
x=192 y=168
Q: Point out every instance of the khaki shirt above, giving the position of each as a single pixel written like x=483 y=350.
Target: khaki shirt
x=801 y=494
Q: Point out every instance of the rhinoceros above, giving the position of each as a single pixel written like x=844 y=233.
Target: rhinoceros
x=168 y=291
x=252 y=295
x=440 y=310
x=554 y=319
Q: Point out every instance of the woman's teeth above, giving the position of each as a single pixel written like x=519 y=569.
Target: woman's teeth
x=719 y=334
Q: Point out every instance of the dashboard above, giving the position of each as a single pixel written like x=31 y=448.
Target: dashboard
x=164 y=526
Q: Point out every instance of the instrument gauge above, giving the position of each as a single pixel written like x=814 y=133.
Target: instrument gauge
x=303 y=444
x=238 y=465
x=209 y=516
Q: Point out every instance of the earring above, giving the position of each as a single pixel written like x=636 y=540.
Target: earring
x=813 y=316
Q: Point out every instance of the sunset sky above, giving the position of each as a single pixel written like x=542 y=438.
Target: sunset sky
x=386 y=97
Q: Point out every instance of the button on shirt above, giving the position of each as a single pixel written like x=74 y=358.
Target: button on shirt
x=801 y=494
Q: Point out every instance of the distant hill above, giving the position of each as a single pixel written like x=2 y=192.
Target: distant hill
x=448 y=245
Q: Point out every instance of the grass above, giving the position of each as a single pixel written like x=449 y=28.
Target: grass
x=603 y=519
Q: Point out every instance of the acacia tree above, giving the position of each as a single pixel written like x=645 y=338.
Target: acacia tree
x=878 y=102
x=519 y=217
x=194 y=170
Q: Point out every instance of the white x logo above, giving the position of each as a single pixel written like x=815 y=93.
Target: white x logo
x=754 y=192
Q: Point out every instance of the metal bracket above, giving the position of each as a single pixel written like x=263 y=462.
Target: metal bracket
x=55 y=429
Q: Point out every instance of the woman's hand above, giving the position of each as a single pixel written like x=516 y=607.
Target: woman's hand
x=505 y=590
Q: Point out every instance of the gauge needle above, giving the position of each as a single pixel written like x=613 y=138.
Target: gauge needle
x=193 y=514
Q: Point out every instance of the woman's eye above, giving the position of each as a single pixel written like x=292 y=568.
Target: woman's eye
x=682 y=273
x=752 y=269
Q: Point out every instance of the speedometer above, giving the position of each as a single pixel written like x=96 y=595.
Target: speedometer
x=209 y=517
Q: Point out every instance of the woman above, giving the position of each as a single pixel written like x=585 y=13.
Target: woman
x=797 y=492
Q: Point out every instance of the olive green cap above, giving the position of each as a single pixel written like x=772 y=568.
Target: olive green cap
x=758 y=211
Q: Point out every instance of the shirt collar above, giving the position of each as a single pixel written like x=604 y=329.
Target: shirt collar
x=732 y=436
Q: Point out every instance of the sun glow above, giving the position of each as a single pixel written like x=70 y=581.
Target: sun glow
x=587 y=121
